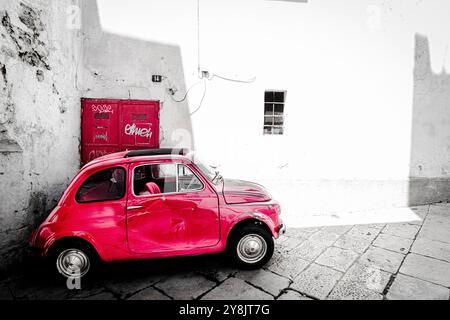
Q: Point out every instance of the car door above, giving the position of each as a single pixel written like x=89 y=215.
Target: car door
x=170 y=208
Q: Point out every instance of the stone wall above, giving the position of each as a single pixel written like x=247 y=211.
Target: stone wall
x=39 y=103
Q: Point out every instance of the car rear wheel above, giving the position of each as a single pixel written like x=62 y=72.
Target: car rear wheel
x=73 y=260
x=251 y=247
x=73 y=263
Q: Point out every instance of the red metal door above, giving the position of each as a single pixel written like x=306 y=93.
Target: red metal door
x=109 y=126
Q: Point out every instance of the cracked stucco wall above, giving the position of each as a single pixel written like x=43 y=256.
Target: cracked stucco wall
x=52 y=54
x=38 y=105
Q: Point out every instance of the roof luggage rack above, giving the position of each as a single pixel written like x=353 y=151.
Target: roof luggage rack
x=157 y=152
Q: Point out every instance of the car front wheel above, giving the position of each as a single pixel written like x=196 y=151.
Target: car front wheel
x=251 y=247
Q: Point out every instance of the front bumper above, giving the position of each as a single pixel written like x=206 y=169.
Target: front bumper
x=281 y=228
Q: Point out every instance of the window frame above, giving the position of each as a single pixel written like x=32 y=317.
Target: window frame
x=273 y=116
x=105 y=200
x=176 y=183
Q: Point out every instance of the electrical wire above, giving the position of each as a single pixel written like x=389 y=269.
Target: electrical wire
x=233 y=80
x=201 y=75
x=203 y=98
x=199 y=68
x=187 y=93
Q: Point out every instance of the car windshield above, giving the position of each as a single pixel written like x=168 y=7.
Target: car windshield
x=212 y=174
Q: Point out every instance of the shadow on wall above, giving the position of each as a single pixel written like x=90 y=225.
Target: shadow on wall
x=430 y=141
x=121 y=67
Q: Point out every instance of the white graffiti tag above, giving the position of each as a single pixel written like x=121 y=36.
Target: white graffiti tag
x=96 y=154
x=133 y=130
x=102 y=109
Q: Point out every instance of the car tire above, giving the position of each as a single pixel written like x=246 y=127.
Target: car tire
x=251 y=247
x=73 y=260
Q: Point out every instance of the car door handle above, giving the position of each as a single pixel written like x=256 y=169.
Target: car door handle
x=135 y=207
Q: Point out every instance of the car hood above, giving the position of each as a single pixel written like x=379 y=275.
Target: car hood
x=238 y=191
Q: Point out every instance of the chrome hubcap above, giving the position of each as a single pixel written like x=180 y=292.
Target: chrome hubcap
x=73 y=263
x=252 y=248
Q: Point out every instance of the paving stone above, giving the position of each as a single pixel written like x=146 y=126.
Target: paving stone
x=24 y=289
x=292 y=295
x=365 y=278
x=289 y=244
x=5 y=294
x=434 y=249
x=383 y=259
x=403 y=230
x=324 y=237
x=337 y=258
x=216 y=274
x=316 y=281
x=426 y=268
x=87 y=291
x=364 y=231
x=295 y=233
x=437 y=229
x=421 y=212
x=185 y=286
x=409 y=288
x=377 y=226
x=442 y=218
x=302 y=233
x=356 y=242
x=439 y=211
x=127 y=285
x=102 y=296
x=236 y=289
x=266 y=280
x=149 y=294
x=393 y=243
x=281 y=240
x=287 y=265
x=340 y=230
x=309 y=250
x=353 y=291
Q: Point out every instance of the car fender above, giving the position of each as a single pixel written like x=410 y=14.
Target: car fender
x=254 y=215
x=74 y=234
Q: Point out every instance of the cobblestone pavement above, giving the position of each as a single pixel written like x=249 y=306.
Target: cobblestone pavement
x=394 y=261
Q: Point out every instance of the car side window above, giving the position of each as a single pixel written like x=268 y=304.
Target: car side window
x=107 y=185
x=187 y=180
x=164 y=178
x=155 y=179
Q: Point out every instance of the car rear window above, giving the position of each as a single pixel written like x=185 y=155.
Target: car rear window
x=106 y=185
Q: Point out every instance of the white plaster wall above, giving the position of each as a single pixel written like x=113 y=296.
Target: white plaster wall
x=121 y=67
x=353 y=138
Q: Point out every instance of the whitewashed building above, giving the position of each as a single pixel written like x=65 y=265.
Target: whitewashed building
x=365 y=119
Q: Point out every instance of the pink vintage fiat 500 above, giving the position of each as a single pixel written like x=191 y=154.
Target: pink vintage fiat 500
x=155 y=204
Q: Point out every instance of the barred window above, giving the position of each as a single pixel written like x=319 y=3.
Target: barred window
x=274 y=102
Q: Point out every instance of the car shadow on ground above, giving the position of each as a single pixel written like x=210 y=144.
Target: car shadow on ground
x=35 y=281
